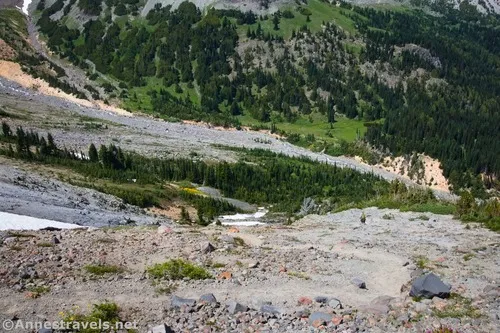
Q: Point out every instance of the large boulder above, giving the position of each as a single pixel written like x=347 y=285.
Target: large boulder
x=429 y=286
x=234 y=307
x=178 y=302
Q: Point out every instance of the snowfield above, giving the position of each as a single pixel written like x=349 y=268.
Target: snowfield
x=10 y=221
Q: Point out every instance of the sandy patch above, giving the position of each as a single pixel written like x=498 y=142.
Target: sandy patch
x=12 y=71
x=430 y=175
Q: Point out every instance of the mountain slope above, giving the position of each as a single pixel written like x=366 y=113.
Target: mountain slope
x=304 y=72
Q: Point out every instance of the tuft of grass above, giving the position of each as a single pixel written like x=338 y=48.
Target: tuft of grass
x=165 y=289
x=106 y=312
x=459 y=307
x=300 y=275
x=239 y=241
x=468 y=256
x=101 y=270
x=178 y=269
x=37 y=291
x=422 y=262
x=423 y=217
x=388 y=216
x=217 y=265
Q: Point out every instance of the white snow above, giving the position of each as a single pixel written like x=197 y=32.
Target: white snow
x=238 y=216
x=25 y=6
x=10 y=221
x=244 y=220
x=242 y=223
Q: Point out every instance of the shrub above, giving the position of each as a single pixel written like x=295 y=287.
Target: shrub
x=106 y=312
x=177 y=269
x=103 y=269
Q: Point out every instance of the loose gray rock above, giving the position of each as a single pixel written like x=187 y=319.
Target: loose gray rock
x=359 y=283
x=253 y=264
x=270 y=309
x=162 y=329
x=319 y=318
x=208 y=298
x=429 y=286
x=321 y=299
x=335 y=304
x=177 y=302
x=207 y=247
x=379 y=305
x=235 y=307
x=55 y=240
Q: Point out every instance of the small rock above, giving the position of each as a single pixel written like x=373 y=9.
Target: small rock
x=335 y=303
x=337 y=320
x=254 y=264
x=208 y=298
x=162 y=329
x=55 y=240
x=163 y=229
x=225 y=276
x=270 y=309
x=321 y=299
x=207 y=247
x=317 y=319
x=235 y=307
x=305 y=301
x=359 y=283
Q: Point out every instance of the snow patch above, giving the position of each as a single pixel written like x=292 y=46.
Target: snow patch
x=10 y=221
x=26 y=3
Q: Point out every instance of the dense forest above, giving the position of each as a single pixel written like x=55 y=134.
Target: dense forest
x=222 y=65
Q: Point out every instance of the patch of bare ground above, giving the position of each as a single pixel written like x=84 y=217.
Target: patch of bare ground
x=297 y=271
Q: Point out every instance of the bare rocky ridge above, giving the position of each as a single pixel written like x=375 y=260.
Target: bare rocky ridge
x=281 y=278
x=25 y=192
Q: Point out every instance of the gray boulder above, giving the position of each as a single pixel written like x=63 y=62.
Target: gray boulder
x=207 y=247
x=178 y=302
x=319 y=318
x=359 y=283
x=208 y=298
x=270 y=309
x=429 y=286
x=235 y=307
